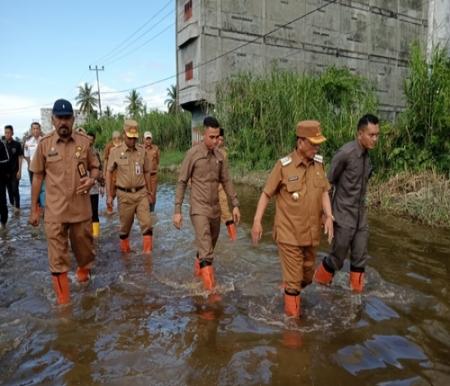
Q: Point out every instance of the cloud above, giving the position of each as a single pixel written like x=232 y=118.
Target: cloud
x=152 y=97
x=19 y=111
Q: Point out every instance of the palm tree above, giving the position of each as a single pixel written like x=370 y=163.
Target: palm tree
x=135 y=104
x=108 y=112
x=86 y=99
x=171 y=101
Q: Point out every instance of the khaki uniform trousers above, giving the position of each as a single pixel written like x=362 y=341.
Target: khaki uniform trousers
x=154 y=185
x=297 y=264
x=225 y=214
x=129 y=205
x=206 y=235
x=81 y=242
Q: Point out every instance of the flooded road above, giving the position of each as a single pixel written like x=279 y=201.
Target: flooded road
x=144 y=320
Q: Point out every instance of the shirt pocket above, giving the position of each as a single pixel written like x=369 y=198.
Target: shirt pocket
x=293 y=186
x=54 y=163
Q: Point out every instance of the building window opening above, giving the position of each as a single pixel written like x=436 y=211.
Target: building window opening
x=187 y=10
x=188 y=71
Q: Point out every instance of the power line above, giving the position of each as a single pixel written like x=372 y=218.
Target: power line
x=140 y=46
x=112 y=52
x=228 y=52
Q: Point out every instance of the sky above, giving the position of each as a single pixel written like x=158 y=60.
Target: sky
x=46 y=48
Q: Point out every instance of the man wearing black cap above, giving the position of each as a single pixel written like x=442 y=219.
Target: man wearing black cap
x=70 y=168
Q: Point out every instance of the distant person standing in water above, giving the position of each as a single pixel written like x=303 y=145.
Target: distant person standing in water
x=349 y=175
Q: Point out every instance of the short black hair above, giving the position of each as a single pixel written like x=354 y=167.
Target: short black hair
x=211 y=122
x=366 y=119
x=221 y=132
x=35 y=123
x=9 y=127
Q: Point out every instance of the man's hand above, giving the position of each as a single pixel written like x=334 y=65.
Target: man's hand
x=19 y=175
x=86 y=185
x=34 y=216
x=177 y=220
x=328 y=228
x=236 y=215
x=257 y=231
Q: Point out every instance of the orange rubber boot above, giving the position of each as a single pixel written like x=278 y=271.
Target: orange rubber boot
x=322 y=276
x=125 y=245
x=357 y=281
x=292 y=305
x=232 y=231
x=148 y=243
x=61 y=287
x=83 y=274
x=209 y=281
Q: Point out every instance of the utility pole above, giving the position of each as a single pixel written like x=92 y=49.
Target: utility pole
x=97 y=69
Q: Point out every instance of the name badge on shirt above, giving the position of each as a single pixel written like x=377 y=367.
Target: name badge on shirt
x=52 y=152
x=137 y=168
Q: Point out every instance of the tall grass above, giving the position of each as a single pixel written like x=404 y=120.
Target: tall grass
x=259 y=113
x=169 y=131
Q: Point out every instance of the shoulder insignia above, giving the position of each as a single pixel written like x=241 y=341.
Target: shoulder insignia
x=47 y=136
x=286 y=160
x=318 y=158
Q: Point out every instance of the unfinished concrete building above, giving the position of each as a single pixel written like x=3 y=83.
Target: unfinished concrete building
x=370 y=37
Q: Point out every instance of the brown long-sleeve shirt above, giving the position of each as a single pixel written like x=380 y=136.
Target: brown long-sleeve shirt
x=206 y=169
x=59 y=159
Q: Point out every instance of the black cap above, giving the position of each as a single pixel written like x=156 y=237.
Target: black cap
x=62 y=108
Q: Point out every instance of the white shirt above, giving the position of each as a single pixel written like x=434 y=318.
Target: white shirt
x=30 y=147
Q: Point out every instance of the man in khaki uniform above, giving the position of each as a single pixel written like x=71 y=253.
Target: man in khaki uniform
x=206 y=167
x=225 y=214
x=132 y=186
x=115 y=142
x=70 y=168
x=301 y=188
x=153 y=154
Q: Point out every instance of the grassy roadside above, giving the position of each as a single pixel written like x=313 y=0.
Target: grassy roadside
x=422 y=197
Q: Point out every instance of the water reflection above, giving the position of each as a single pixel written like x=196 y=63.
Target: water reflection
x=146 y=319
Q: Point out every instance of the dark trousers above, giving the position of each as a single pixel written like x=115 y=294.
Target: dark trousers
x=13 y=191
x=3 y=202
x=345 y=240
x=94 y=206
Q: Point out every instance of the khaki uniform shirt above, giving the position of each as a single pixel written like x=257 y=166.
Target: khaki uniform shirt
x=153 y=154
x=349 y=174
x=298 y=185
x=131 y=164
x=58 y=159
x=206 y=169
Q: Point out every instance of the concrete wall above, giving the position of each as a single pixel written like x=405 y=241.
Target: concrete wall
x=370 y=37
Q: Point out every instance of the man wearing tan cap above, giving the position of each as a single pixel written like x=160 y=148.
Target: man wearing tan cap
x=153 y=154
x=300 y=187
x=349 y=174
x=132 y=186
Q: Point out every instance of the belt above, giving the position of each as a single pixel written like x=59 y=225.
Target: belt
x=131 y=190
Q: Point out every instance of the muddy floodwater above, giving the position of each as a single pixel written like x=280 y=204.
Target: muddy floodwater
x=144 y=320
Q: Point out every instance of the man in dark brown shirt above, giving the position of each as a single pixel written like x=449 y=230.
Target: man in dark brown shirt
x=349 y=173
x=205 y=166
x=70 y=167
x=300 y=186
x=132 y=186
